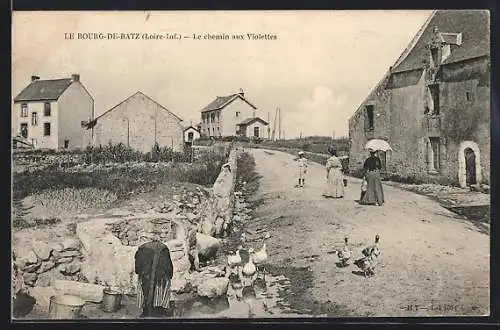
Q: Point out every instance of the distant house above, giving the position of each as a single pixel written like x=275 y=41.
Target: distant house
x=139 y=122
x=253 y=127
x=48 y=113
x=231 y=116
x=433 y=105
x=191 y=133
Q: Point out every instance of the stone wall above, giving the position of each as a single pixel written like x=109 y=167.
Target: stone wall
x=218 y=217
x=110 y=262
x=464 y=91
x=40 y=263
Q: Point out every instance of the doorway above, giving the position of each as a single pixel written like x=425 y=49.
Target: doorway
x=469 y=164
x=24 y=130
x=256 y=131
x=470 y=167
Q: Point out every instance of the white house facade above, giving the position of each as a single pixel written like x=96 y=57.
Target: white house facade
x=48 y=113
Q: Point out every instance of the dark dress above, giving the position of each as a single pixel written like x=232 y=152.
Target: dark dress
x=154 y=268
x=374 y=193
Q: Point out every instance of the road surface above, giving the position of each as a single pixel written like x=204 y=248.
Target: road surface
x=432 y=263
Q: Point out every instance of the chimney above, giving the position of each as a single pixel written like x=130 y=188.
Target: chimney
x=75 y=77
x=241 y=92
x=33 y=78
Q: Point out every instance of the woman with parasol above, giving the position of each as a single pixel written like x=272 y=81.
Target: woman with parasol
x=374 y=194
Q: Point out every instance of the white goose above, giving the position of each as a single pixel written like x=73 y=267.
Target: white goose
x=259 y=258
x=234 y=260
x=248 y=273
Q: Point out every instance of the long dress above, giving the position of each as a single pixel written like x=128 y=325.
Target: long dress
x=154 y=268
x=335 y=181
x=374 y=192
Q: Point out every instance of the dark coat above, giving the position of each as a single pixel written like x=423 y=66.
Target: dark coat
x=154 y=266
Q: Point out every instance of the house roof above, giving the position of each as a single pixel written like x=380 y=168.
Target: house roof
x=249 y=121
x=43 y=90
x=138 y=93
x=197 y=130
x=474 y=26
x=222 y=101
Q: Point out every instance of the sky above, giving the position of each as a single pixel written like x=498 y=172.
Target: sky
x=318 y=71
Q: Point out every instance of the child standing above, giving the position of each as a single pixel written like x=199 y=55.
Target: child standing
x=302 y=168
x=364 y=187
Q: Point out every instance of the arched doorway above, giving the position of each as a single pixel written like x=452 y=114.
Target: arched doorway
x=470 y=167
x=469 y=164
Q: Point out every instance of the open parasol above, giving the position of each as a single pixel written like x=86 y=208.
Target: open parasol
x=377 y=144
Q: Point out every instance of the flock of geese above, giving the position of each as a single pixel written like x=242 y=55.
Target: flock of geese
x=249 y=270
x=367 y=262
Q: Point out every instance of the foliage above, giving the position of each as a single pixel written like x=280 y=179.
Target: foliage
x=246 y=172
x=119 y=153
x=124 y=180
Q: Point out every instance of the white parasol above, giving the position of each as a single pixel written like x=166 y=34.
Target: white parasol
x=377 y=144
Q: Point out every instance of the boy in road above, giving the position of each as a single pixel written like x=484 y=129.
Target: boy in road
x=302 y=169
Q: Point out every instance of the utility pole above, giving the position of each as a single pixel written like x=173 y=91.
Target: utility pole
x=268 y=127
x=279 y=123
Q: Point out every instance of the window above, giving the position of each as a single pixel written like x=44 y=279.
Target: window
x=434 y=90
x=46 y=109
x=212 y=117
x=468 y=95
x=237 y=114
x=24 y=130
x=435 y=150
x=369 y=117
x=66 y=144
x=34 y=119
x=46 y=129
x=434 y=55
x=256 y=131
x=24 y=110
x=190 y=136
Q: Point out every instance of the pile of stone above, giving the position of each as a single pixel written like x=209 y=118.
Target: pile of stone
x=134 y=232
x=40 y=257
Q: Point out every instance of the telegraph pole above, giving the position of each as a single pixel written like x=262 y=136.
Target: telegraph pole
x=268 y=127
x=279 y=123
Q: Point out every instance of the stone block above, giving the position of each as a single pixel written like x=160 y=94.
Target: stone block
x=42 y=296
x=86 y=291
x=213 y=287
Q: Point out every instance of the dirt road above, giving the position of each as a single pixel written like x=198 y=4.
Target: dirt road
x=432 y=263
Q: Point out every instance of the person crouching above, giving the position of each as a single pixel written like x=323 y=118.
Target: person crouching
x=154 y=268
x=301 y=169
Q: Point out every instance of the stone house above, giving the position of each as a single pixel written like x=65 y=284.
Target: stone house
x=433 y=104
x=139 y=122
x=253 y=128
x=191 y=133
x=48 y=113
x=231 y=116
